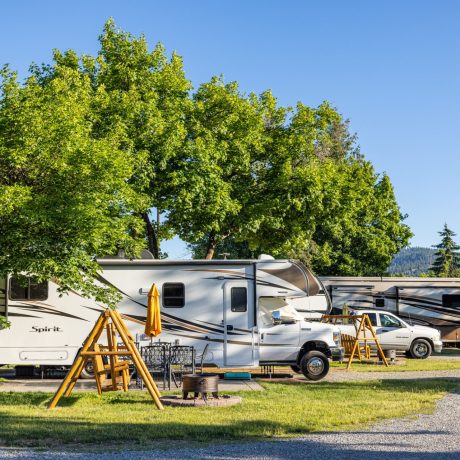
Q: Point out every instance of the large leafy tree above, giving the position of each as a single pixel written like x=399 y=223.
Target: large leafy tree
x=148 y=95
x=216 y=190
x=227 y=170
x=64 y=193
x=146 y=100
x=447 y=256
x=360 y=226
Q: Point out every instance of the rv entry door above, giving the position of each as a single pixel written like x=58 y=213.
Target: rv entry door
x=239 y=340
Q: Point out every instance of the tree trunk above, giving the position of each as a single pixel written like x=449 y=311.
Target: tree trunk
x=152 y=237
x=212 y=243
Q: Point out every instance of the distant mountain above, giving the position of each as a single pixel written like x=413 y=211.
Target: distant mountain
x=412 y=261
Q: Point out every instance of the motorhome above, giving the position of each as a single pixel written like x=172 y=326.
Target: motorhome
x=432 y=302
x=246 y=311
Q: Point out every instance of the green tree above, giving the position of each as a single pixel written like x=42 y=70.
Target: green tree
x=222 y=165
x=447 y=257
x=64 y=193
x=146 y=100
x=216 y=192
x=360 y=226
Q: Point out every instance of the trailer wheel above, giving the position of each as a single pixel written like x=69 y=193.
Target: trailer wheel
x=314 y=365
x=88 y=370
x=420 y=349
x=296 y=369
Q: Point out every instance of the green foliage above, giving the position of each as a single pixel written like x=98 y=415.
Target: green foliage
x=4 y=323
x=64 y=196
x=414 y=261
x=89 y=145
x=447 y=257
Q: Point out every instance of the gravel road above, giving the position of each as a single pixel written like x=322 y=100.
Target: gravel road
x=428 y=437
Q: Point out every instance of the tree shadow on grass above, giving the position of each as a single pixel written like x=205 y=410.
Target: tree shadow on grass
x=57 y=433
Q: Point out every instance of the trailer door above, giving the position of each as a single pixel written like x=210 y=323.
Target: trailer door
x=239 y=339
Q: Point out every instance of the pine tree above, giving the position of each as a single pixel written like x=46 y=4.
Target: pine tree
x=447 y=257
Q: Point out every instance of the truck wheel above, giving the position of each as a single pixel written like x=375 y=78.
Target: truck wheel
x=314 y=365
x=88 y=370
x=420 y=349
x=296 y=369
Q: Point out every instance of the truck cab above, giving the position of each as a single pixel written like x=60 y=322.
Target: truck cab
x=286 y=338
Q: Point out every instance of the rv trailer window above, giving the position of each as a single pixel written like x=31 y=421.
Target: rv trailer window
x=451 y=301
x=239 y=299
x=173 y=295
x=380 y=302
x=28 y=289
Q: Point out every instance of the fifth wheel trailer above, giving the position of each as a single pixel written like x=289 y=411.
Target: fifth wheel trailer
x=433 y=302
x=244 y=310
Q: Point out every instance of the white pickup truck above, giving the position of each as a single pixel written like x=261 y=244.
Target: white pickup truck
x=395 y=334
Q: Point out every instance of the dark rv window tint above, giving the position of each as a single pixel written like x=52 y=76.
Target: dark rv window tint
x=380 y=302
x=239 y=299
x=451 y=301
x=173 y=295
x=28 y=289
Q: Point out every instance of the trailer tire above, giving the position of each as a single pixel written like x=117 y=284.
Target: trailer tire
x=420 y=349
x=296 y=369
x=314 y=365
x=88 y=370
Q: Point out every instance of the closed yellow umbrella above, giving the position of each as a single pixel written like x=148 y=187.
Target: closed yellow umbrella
x=153 y=319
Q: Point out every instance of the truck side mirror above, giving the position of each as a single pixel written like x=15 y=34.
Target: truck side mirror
x=276 y=317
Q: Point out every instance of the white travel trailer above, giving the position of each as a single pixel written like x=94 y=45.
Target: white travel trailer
x=432 y=302
x=244 y=310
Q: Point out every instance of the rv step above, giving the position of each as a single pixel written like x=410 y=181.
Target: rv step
x=237 y=376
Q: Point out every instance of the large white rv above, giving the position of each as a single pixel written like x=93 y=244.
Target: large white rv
x=432 y=302
x=244 y=310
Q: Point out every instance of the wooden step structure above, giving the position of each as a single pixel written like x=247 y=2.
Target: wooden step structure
x=358 y=345
x=115 y=375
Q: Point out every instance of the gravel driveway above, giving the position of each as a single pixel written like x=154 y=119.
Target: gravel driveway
x=428 y=437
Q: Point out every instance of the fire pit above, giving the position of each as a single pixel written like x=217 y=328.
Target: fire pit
x=200 y=385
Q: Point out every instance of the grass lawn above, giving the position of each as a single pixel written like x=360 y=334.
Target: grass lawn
x=430 y=364
x=284 y=409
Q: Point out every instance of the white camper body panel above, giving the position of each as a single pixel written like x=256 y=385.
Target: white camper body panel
x=432 y=302
x=51 y=331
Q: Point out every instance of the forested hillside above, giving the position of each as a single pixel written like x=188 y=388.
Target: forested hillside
x=412 y=261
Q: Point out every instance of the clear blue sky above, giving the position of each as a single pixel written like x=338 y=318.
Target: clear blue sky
x=390 y=66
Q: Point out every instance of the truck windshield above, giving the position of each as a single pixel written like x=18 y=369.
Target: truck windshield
x=267 y=305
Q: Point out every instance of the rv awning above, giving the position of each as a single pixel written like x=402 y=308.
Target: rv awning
x=153 y=319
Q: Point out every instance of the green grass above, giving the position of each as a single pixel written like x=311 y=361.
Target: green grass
x=431 y=364
x=283 y=409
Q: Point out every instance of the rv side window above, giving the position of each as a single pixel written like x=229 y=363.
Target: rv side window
x=28 y=289
x=380 y=302
x=239 y=299
x=451 y=301
x=173 y=295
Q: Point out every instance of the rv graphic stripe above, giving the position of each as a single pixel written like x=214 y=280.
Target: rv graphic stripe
x=36 y=307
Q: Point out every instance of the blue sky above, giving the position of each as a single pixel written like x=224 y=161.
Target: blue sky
x=391 y=67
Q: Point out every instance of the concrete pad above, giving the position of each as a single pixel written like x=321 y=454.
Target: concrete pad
x=51 y=385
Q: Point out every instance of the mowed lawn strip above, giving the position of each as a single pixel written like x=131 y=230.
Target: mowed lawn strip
x=404 y=365
x=283 y=409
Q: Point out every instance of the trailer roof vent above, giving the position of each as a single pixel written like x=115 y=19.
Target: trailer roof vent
x=265 y=257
